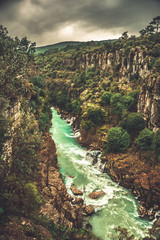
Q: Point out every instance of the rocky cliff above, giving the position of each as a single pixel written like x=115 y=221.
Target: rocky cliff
x=131 y=71
x=58 y=203
x=14 y=115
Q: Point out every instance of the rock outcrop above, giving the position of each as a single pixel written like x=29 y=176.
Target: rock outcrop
x=129 y=69
x=76 y=191
x=58 y=203
x=97 y=194
x=89 y=210
x=137 y=175
x=13 y=113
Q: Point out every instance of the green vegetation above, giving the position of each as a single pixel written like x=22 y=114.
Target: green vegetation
x=98 y=82
x=145 y=139
x=103 y=97
x=16 y=91
x=26 y=143
x=118 y=139
x=133 y=123
x=24 y=118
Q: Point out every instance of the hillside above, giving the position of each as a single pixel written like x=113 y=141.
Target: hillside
x=69 y=44
x=56 y=46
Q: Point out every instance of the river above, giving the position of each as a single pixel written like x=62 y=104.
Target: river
x=117 y=207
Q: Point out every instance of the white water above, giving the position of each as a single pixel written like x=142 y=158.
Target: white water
x=117 y=207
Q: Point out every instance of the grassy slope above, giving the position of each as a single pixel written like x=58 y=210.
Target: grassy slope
x=62 y=45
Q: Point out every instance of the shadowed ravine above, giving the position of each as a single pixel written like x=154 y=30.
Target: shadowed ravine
x=117 y=207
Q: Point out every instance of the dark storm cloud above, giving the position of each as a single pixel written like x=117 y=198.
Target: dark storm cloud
x=39 y=17
x=5 y=2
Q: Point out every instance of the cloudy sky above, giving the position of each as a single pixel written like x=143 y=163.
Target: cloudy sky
x=52 y=21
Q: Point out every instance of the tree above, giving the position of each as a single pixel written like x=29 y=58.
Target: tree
x=27 y=46
x=156 y=23
x=14 y=64
x=142 y=32
x=124 y=35
x=118 y=139
x=96 y=115
x=153 y=27
x=105 y=99
x=150 y=29
x=145 y=140
x=133 y=123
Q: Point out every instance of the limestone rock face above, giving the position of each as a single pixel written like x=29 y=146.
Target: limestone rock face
x=149 y=102
x=97 y=194
x=15 y=114
x=132 y=69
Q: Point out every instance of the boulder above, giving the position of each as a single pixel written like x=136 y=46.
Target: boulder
x=89 y=210
x=97 y=194
x=142 y=211
x=76 y=191
x=78 y=201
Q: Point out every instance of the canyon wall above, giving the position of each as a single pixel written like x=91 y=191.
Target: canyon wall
x=131 y=70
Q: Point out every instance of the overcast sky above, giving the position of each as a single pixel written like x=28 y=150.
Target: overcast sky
x=51 y=21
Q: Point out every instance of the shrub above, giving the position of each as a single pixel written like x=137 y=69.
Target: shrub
x=105 y=99
x=76 y=106
x=116 y=98
x=44 y=121
x=127 y=101
x=19 y=196
x=157 y=65
x=145 y=140
x=133 y=122
x=96 y=115
x=118 y=139
x=32 y=199
x=86 y=124
x=118 y=109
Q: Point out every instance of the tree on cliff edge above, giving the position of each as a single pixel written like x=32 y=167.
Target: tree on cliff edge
x=156 y=23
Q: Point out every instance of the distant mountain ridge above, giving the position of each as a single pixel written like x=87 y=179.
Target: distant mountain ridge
x=62 y=45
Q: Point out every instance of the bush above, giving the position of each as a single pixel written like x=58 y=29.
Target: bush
x=118 y=109
x=32 y=199
x=133 y=123
x=105 y=99
x=145 y=140
x=118 y=139
x=127 y=101
x=19 y=196
x=87 y=125
x=157 y=65
x=96 y=115
x=44 y=121
x=116 y=98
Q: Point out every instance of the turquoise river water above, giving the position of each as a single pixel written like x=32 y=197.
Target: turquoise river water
x=117 y=207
